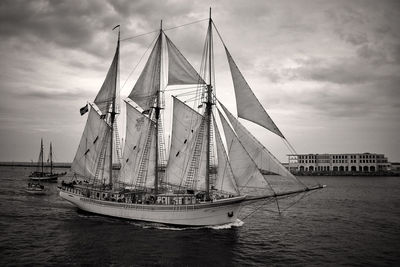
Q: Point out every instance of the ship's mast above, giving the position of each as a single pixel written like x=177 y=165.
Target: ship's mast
x=41 y=152
x=157 y=116
x=209 y=106
x=112 y=114
x=51 y=159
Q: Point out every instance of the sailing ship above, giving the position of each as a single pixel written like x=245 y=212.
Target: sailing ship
x=40 y=174
x=215 y=165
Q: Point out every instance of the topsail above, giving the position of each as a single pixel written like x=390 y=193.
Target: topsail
x=179 y=69
x=145 y=90
x=248 y=106
x=107 y=93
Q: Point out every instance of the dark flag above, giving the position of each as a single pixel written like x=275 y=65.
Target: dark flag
x=84 y=109
x=103 y=116
x=145 y=112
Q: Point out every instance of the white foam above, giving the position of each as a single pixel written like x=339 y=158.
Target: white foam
x=237 y=223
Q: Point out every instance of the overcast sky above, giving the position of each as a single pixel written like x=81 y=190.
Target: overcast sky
x=328 y=72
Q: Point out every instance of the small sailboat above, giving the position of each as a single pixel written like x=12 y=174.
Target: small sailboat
x=40 y=174
x=35 y=188
x=211 y=172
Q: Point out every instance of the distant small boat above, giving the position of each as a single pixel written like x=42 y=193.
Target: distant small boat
x=35 y=188
x=40 y=174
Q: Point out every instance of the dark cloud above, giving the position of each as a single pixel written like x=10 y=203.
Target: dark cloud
x=72 y=95
x=327 y=61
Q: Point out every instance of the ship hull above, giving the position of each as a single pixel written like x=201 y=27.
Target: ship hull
x=48 y=178
x=213 y=213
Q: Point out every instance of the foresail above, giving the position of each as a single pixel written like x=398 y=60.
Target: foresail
x=248 y=178
x=264 y=160
x=95 y=140
x=138 y=165
x=145 y=90
x=107 y=92
x=225 y=180
x=248 y=106
x=180 y=71
x=186 y=124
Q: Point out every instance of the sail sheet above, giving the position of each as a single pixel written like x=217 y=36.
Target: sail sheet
x=145 y=90
x=180 y=71
x=248 y=178
x=186 y=124
x=139 y=129
x=95 y=140
x=248 y=106
x=225 y=180
x=264 y=160
x=107 y=93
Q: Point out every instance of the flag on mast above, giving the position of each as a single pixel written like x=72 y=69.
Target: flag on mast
x=84 y=109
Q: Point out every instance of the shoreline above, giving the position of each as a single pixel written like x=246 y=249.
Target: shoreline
x=67 y=165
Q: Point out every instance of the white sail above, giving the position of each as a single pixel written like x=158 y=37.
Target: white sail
x=248 y=178
x=185 y=127
x=95 y=140
x=180 y=71
x=225 y=180
x=248 y=106
x=145 y=90
x=139 y=129
x=107 y=92
x=264 y=160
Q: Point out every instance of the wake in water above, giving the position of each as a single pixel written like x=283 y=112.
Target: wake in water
x=148 y=225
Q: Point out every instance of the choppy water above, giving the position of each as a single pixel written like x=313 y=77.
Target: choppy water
x=355 y=221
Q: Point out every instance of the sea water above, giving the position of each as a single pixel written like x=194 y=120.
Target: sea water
x=354 y=221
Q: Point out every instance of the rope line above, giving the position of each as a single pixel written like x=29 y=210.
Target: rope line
x=167 y=29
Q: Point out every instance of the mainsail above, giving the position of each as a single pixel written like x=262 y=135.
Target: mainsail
x=248 y=178
x=248 y=106
x=187 y=126
x=138 y=161
x=145 y=90
x=180 y=71
x=94 y=142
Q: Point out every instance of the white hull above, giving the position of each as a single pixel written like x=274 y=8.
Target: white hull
x=214 y=213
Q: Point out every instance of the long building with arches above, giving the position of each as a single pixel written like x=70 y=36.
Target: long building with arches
x=328 y=163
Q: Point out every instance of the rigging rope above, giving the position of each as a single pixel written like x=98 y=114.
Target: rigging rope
x=166 y=29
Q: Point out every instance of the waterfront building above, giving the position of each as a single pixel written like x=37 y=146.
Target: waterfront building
x=349 y=162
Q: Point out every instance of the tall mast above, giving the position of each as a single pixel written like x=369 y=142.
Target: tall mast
x=41 y=152
x=209 y=106
x=112 y=114
x=157 y=117
x=51 y=159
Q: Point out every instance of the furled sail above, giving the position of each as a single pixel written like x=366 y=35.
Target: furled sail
x=145 y=90
x=186 y=126
x=248 y=106
x=248 y=178
x=261 y=156
x=94 y=142
x=107 y=92
x=225 y=180
x=138 y=165
x=180 y=71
